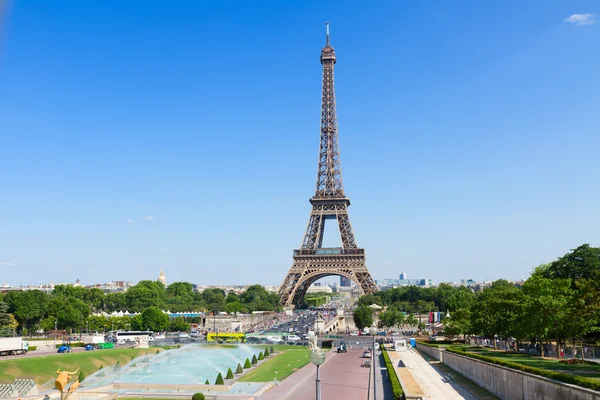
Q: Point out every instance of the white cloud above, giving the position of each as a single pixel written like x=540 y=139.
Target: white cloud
x=581 y=19
x=130 y=220
x=162 y=250
x=149 y=218
x=7 y=264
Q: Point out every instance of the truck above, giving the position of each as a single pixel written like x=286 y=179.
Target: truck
x=13 y=345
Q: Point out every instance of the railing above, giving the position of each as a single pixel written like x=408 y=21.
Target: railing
x=327 y=251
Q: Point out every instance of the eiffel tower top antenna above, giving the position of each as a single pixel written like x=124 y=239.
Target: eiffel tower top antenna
x=327 y=28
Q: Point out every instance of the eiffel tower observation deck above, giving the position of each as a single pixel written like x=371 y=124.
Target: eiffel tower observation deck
x=312 y=261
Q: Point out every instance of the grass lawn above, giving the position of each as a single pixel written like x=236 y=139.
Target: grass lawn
x=587 y=370
x=43 y=368
x=279 y=366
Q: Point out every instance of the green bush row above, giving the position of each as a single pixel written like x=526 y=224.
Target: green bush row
x=559 y=376
x=32 y=348
x=396 y=387
x=437 y=346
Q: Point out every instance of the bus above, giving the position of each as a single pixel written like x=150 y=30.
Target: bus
x=128 y=336
x=228 y=337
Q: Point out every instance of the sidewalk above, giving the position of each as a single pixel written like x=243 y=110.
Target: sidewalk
x=342 y=378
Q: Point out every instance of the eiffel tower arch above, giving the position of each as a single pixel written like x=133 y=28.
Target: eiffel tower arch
x=312 y=261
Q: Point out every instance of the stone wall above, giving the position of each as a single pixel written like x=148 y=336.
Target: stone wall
x=508 y=383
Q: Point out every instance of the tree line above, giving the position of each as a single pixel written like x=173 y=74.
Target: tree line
x=560 y=301
x=71 y=307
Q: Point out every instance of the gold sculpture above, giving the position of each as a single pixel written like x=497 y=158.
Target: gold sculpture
x=61 y=383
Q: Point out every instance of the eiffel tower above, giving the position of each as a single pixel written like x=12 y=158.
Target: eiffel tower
x=312 y=261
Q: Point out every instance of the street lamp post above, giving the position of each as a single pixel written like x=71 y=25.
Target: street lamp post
x=317 y=357
x=373 y=332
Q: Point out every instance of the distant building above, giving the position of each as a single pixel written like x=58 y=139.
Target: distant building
x=346 y=282
x=162 y=278
x=403 y=276
x=424 y=282
x=319 y=288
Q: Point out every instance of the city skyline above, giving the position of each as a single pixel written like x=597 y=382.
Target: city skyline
x=138 y=140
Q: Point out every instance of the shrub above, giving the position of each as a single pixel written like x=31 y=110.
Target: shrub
x=396 y=387
x=559 y=376
x=100 y=368
x=247 y=364
x=239 y=369
x=219 y=380
x=229 y=374
x=81 y=376
x=207 y=382
x=32 y=348
x=198 y=396
x=266 y=352
x=272 y=350
x=117 y=366
x=254 y=360
x=260 y=356
x=158 y=351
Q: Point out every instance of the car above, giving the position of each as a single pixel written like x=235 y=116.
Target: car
x=64 y=349
x=355 y=333
x=274 y=339
x=89 y=347
x=366 y=354
x=150 y=339
x=293 y=338
x=184 y=335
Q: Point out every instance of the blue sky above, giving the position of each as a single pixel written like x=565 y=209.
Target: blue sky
x=139 y=136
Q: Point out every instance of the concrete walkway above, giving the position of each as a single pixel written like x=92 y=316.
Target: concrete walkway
x=342 y=378
x=433 y=384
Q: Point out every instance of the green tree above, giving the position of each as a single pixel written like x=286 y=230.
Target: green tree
x=459 y=322
x=145 y=294
x=580 y=263
x=219 y=380
x=207 y=382
x=199 y=396
x=229 y=374
x=545 y=308
x=232 y=298
x=137 y=322
x=261 y=356
x=390 y=318
x=5 y=320
x=179 y=325
x=247 y=364
x=496 y=310
x=81 y=376
x=155 y=320
x=239 y=369
x=234 y=307
x=267 y=352
x=254 y=360
x=363 y=317
x=28 y=307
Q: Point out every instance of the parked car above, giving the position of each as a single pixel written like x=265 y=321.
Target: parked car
x=355 y=333
x=64 y=349
x=366 y=354
x=89 y=347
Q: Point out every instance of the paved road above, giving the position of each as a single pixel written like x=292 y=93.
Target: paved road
x=37 y=353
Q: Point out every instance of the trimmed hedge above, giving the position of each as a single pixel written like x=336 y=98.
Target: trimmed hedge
x=32 y=348
x=229 y=374
x=219 y=380
x=198 y=396
x=260 y=356
x=254 y=360
x=247 y=364
x=437 y=346
x=396 y=387
x=559 y=376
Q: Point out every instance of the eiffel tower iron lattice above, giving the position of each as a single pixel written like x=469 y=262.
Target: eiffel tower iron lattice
x=312 y=261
